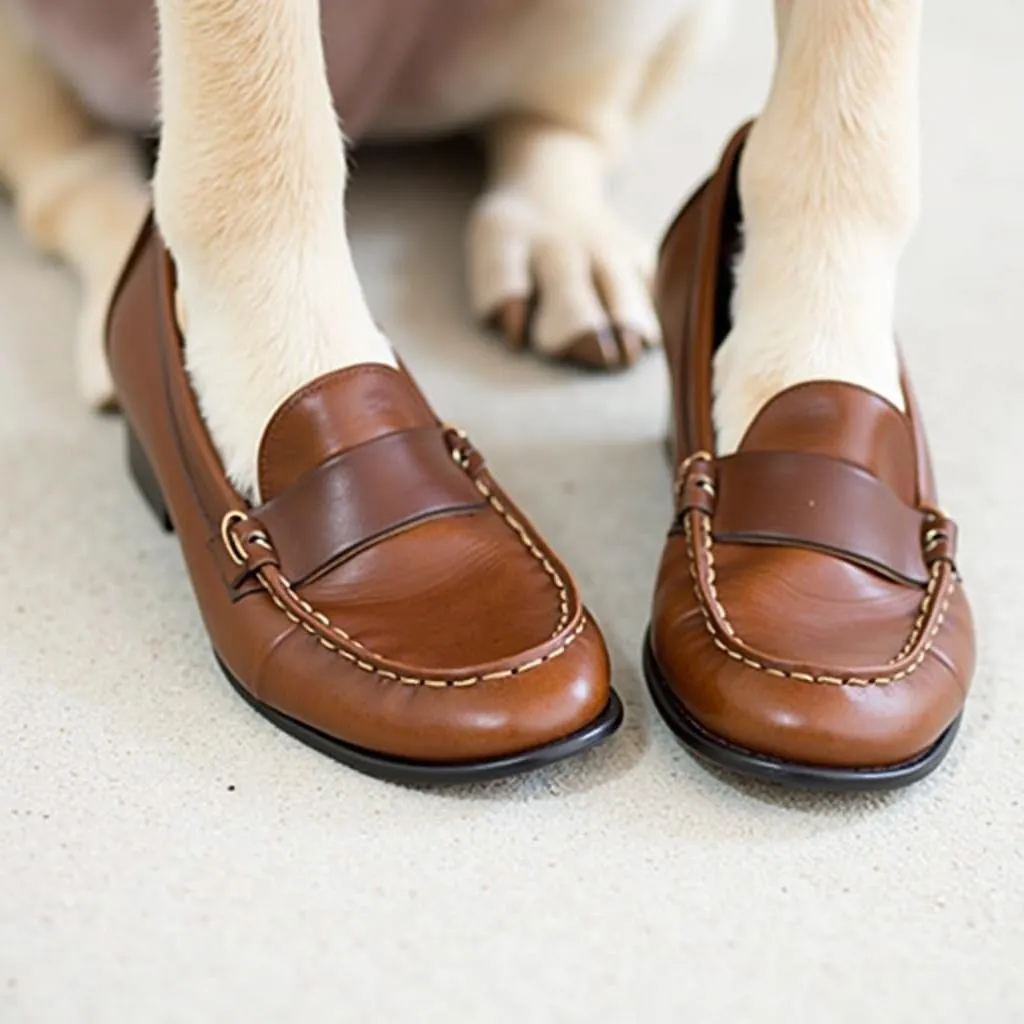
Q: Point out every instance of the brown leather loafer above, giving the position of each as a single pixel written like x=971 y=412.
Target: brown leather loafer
x=387 y=603
x=809 y=626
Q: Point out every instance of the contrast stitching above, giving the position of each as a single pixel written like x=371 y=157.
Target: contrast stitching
x=395 y=677
x=463 y=460
x=524 y=537
x=807 y=677
x=922 y=615
x=366 y=666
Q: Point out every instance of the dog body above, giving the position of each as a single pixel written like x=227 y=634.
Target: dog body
x=250 y=184
x=553 y=86
x=396 y=67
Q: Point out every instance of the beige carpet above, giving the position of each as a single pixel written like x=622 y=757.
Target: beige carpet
x=166 y=855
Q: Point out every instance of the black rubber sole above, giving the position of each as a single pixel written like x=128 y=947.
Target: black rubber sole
x=145 y=480
x=433 y=773
x=721 y=753
x=381 y=766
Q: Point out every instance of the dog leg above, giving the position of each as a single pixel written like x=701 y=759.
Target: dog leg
x=250 y=189
x=544 y=234
x=550 y=263
x=79 y=191
x=829 y=185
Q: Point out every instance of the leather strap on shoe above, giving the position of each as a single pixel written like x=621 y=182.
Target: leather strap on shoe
x=356 y=499
x=799 y=499
x=697 y=494
x=367 y=493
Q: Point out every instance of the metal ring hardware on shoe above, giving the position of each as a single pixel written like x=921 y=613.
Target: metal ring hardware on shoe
x=234 y=546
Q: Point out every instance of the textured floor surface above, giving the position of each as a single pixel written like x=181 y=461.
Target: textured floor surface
x=166 y=855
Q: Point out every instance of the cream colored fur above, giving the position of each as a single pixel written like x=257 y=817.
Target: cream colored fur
x=575 y=77
x=79 y=190
x=829 y=183
x=530 y=233
x=269 y=285
x=269 y=293
x=250 y=192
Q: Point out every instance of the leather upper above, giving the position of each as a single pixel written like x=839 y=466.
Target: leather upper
x=808 y=605
x=386 y=591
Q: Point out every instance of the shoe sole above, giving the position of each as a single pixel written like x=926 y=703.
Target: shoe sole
x=437 y=773
x=383 y=766
x=714 y=750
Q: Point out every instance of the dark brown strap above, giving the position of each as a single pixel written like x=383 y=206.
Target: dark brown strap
x=355 y=499
x=812 y=501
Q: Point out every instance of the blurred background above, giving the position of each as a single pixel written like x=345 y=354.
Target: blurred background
x=167 y=855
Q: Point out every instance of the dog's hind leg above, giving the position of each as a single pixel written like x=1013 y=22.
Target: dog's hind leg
x=829 y=186
x=250 y=191
x=551 y=266
x=79 y=191
x=550 y=263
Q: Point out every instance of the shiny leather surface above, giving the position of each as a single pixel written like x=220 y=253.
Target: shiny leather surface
x=807 y=606
x=377 y=489
x=388 y=592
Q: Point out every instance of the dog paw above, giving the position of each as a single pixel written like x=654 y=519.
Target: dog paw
x=571 y=286
x=95 y=385
x=117 y=204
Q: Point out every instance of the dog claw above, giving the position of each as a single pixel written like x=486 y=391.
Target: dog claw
x=595 y=349
x=631 y=345
x=510 y=320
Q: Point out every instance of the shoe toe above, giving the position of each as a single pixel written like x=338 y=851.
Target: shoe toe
x=540 y=667
x=784 y=604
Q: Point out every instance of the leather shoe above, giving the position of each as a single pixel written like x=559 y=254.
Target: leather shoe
x=386 y=602
x=809 y=624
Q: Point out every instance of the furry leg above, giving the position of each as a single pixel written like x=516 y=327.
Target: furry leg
x=544 y=234
x=829 y=184
x=250 y=190
x=79 y=191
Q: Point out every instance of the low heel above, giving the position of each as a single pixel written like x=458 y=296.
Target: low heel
x=145 y=479
x=670 y=441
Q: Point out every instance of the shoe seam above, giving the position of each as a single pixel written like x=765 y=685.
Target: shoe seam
x=739 y=652
x=324 y=623
x=396 y=677
x=527 y=542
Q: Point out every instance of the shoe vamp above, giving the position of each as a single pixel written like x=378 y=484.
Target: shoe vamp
x=807 y=607
x=447 y=594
